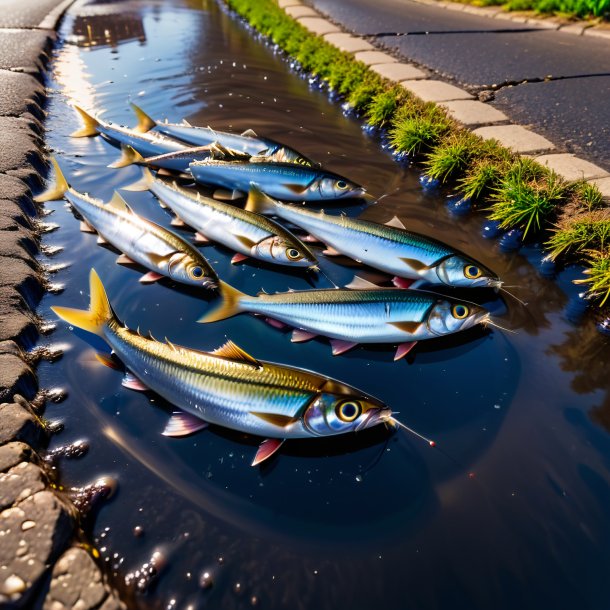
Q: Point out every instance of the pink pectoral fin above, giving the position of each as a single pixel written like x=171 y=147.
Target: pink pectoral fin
x=133 y=383
x=401 y=282
x=266 y=450
x=331 y=252
x=404 y=349
x=275 y=323
x=150 y=277
x=299 y=336
x=201 y=239
x=339 y=347
x=183 y=424
x=238 y=258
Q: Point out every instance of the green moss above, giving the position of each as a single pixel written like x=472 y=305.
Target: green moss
x=383 y=106
x=453 y=155
x=417 y=134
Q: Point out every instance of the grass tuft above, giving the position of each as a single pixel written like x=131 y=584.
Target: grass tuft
x=598 y=275
x=453 y=155
x=384 y=105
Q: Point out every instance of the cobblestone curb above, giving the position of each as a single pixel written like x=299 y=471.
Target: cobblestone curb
x=41 y=562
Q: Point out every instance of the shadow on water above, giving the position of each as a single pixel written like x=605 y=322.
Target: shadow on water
x=508 y=511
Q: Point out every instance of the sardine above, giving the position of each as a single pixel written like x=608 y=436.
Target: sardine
x=247 y=233
x=228 y=387
x=140 y=240
x=390 y=248
x=281 y=180
x=247 y=141
x=359 y=313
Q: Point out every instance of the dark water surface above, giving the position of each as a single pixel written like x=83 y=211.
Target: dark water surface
x=511 y=509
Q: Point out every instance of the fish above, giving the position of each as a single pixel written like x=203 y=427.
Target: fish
x=280 y=180
x=140 y=240
x=227 y=386
x=147 y=144
x=247 y=233
x=389 y=247
x=359 y=313
x=247 y=141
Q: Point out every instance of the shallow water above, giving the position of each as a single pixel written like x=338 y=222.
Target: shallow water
x=509 y=511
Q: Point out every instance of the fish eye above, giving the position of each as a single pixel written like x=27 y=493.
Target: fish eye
x=348 y=411
x=459 y=311
x=293 y=254
x=196 y=272
x=341 y=184
x=472 y=272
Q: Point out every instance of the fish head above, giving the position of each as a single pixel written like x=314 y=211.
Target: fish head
x=284 y=251
x=191 y=269
x=462 y=272
x=330 y=186
x=447 y=317
x=339 y=408
x=283 y=154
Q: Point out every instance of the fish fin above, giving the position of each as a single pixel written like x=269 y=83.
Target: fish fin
x=143 y=184
x=123 y=259
x=359 y=283
x=258 y=202
x=267 y=448
x=238 y=257
x=226 y=195
x=228 y=306
x=396 y=223
x=183 y=424
x=185 y=123
x=118 y=203
x=297 y=189
x=145 y=123
x=331 y=252
x=275 y=419
x=339 y=346
x=401 y=282
x=416 y=265
x=107 y=360
x=129 y=156
x=233 y=352
x=100 y=240
x=300 y=336
x=177 y=222
x=246 y=241
x=99 y=313
x=56 y=189
x=275 y=323
x=200 y=238
x=311 y=239
x=249 y=133
x=131 y=382
x=407 y=327
x=85 y=227
x=404 y=349
x=91 y=125
x=150 y=277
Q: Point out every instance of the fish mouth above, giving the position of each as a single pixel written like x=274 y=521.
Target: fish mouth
x=210 y=284
x=375 y=416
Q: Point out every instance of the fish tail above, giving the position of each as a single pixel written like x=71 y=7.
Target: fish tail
x=91 y=124
x=55 y=190
x=228 y=306
x=99 y=313
x=143 y=184
x=145 y=123
x=129 y=156
x=259 y=202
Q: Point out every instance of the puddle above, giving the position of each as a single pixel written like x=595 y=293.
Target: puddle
x=509 y=511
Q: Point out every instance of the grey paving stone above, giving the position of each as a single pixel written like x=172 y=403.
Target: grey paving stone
x=19 y=146
x=435 y=90
x=597 y=33
x=570 y=167
x=472 y=112
x=516 y=137
x=18 y=242
x=24 y=50
x=398 y=71
x=17 y=322
x=573 y=28
x=318 y=26
x=16 y=190
x=20 y=482
x=14 y=453
x=301 y=11
x=20 y=93
x=33 y=534
x=76 y=582
x=19 y=14
x=23 y=278
x=19 y=424
x=372 y=58
x=603 y=184
x=348 y=43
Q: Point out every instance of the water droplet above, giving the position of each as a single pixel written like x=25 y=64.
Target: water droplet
x=359 y=478
x=205 y=580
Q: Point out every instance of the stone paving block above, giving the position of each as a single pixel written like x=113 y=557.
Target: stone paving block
x=20 y=482
x=570 y=167
x=76 y=582
x=19 y=14
x=372 y=58
x=17 y=321
x=33 y=534
x=24 y=49
x=348 y=43
x=573 y=28
x=603 y=184
x=19 y=146
x=516 y=137
x=16 y=190
x=398 y=71
x=20 y=93
x=285 y=3
x=15 y=453
x=472 y=112
x=17 y=242
x=597 y=32
x=435 y=90
x=318 y=26
x=23 y=278
x=301 y=11
x=19 y=424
